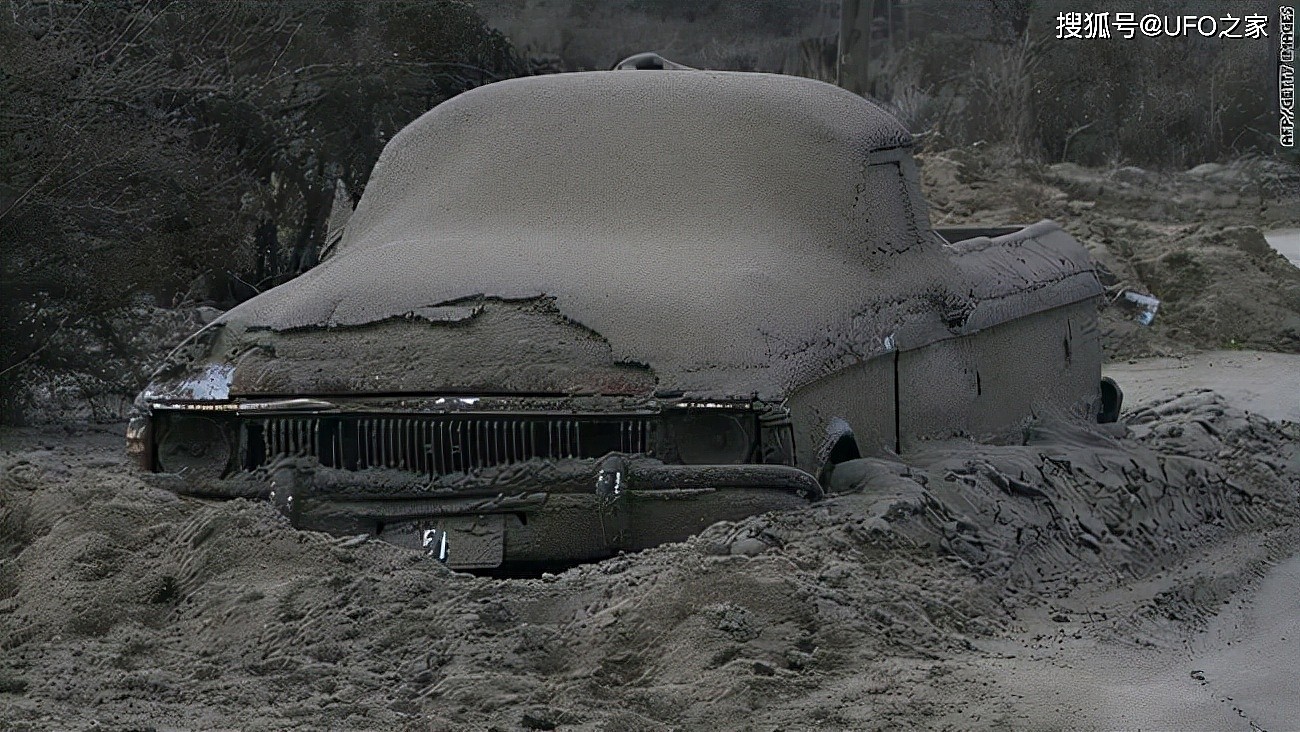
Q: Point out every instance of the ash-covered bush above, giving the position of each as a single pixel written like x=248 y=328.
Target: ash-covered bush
x=184 y=153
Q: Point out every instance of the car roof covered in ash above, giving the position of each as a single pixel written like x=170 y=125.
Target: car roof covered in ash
x=737 y=232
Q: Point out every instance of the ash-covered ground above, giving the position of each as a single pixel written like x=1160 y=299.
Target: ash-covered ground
x=1194 y=239
x=891 y=604
x=1139 y=575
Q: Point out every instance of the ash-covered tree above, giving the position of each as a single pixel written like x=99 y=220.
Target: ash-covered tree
x=153 y=153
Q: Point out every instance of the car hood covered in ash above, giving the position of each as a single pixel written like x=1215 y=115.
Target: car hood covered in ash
x=697 y=232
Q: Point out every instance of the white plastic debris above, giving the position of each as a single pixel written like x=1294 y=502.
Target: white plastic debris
x=1147 y=306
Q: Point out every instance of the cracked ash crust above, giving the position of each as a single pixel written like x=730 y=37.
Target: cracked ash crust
x=606 y=231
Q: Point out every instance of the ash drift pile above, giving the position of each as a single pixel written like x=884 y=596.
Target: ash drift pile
x=128 y=607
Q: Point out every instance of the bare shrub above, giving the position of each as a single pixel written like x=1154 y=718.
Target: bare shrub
x=188 y=151
x=764 y=35
x=995 y=72
x=1003 y=76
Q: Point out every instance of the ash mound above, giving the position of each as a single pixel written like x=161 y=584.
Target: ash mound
x=124 y=606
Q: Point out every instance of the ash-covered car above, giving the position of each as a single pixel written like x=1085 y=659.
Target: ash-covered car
x=585 y=313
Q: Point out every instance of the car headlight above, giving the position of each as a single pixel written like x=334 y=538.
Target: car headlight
x=710 y=438
x=193 y=446
x=138 y=441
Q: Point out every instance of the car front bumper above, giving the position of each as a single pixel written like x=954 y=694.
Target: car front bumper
x=538 y=511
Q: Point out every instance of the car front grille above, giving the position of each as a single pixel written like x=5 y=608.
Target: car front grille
x=440 y=445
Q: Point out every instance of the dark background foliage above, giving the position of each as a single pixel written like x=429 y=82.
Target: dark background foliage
x=169 y=153
x=165 y=153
